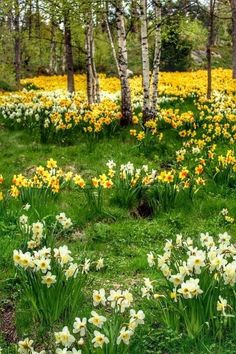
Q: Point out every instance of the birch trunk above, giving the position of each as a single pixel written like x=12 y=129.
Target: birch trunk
x=126 y=106
x=157 y=57
x=233 y=9
x=145 y=61
x=112 y=45
x=17 y=59
x=95 y=74
x=93 y=86
x=90 y=85
x=69 y=55
x=209 y=45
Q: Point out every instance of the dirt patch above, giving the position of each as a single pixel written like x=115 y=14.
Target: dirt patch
x=142 y=211
x=7 y=324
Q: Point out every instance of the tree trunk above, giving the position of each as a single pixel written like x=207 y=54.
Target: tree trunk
x=157 y=57
x=17 y=59
x=93 y=86
x=126 y=106
x=145 y=61
x=209 y=45
x=95 y=75
x=90 y=79
x=69 y=55
x=53 y=55
x=233 y=8
x=112 y=43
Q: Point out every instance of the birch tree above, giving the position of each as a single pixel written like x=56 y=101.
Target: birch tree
x=17 y=43
x=68 y=50
x=157 y=56
x=93 y=86
x=145 y=61
x=111 y=42
x=150 y=96
x=121 y=60
x=210 y=41
x=123 y=65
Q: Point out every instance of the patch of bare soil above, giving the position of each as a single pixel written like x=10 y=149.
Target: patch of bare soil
x=142 y=211
x=7 y=323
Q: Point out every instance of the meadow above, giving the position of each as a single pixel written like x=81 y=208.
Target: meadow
x=118 y=240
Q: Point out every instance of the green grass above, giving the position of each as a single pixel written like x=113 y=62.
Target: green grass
x=123 y=242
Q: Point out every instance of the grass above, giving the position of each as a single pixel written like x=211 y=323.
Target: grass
x=123 y=242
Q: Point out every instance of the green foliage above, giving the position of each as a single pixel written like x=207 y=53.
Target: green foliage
x=7 y=78
x=194 y=32
x=176 y=49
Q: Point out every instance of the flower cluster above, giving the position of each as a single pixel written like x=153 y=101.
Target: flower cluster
x=38 y=232
x=44 y=260
x=49 y=179
x=99 y=331
x=201 y=273
x=57 y=115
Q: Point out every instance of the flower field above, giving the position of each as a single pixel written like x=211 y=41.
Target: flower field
x=118 y=239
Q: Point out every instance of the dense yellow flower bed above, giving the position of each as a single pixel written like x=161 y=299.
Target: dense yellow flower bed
x=178 y=83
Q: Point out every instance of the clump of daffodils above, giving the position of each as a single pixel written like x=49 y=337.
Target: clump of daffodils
x=37 y=231
x=48 y=179
x=199 y=281
x=111 y=326
x=59 y=260
x=101 y=331
x=52 y=280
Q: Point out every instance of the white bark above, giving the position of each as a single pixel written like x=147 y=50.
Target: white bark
x=209 y=47
x=93 y=87
x=112 y=45
x=157 y=56
x=145 y=60
x=95 y=75
x=90 y=85
x=123 y=65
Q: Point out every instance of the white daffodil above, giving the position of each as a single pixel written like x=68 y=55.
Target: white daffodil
x=99 y=297
x=64 y=337
x=100 y=263
x=49 y=279
x=124 y=336
x=99 y=340
x=97 y=320
x=80 y=326
x=25 y=346
x=151 y=259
